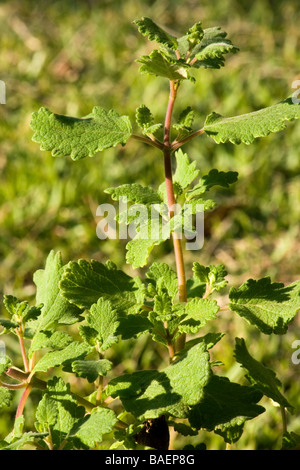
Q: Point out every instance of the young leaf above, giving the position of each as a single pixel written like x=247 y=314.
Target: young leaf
x=79 y=138
x=56 y=310
x=162 y=276
x=247 y=127
x=225 y=407
x=159 y=64
x=83 y=283
x=135 y=193
x=46 y=414
x=212 y=276
x=269 y=306
x=212 y=48
x=214 y=178
x=145 y=120
x=186 y=172
x=259 y=375
x=147 y=27
x=197 y=313
x=149 y=394
x=184 y=124
x=104 y=320
x=5 y=397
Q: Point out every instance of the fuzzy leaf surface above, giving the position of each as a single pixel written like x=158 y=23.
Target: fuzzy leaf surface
x=56 y=310
x=186 y=172
x=92 y=427
x=64 y=356
x=159 y=64
x=104 y=320
x=135 y=193
x=91 y=370
x=83 y=283
x=147 y=27
x=269 y=306
x=79 y=138
x=151 y=393
x=247 y=127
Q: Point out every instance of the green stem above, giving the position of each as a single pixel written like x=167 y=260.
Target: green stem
x=283 y=417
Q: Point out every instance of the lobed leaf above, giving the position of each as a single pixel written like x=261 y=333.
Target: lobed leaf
x=135 y=193
x=83 y=283
x=159 y=64
x=79 y=138
x=147 y=27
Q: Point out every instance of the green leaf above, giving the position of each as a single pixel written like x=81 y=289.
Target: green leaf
x=147 y=27
x=133 y=325
x=149 y=393
x=197 y=313
x=145 y=120
x=269 y=306
x=67 y=355
x=91 y=428
x=91 y=370
x=225 y=407
x=184 y=123
x=104 y=320
x=162 y=276
x=56 y=310
x=159 y=64
x=290 y=441
x=46 y=414
x=50 y=339
x=5 y=397
x=21 y=312
x=83 y=283
x=186 y=172
x=68 y=411
x=247 y=127
x=212 y=276
x=212 y=48
x=259 y=375
x=214 y=178
x=135 y=193
x=79 y=138
x=149 y=234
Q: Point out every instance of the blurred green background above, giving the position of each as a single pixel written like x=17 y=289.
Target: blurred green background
x=72 y=55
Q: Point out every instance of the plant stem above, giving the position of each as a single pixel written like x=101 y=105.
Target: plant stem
x=154 y=142
x=283 y=417
x=22 y=402
x=178 y=143
x=24 y=356
x=171 y=197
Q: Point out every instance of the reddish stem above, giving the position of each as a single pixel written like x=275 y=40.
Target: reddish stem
x=22 y=402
